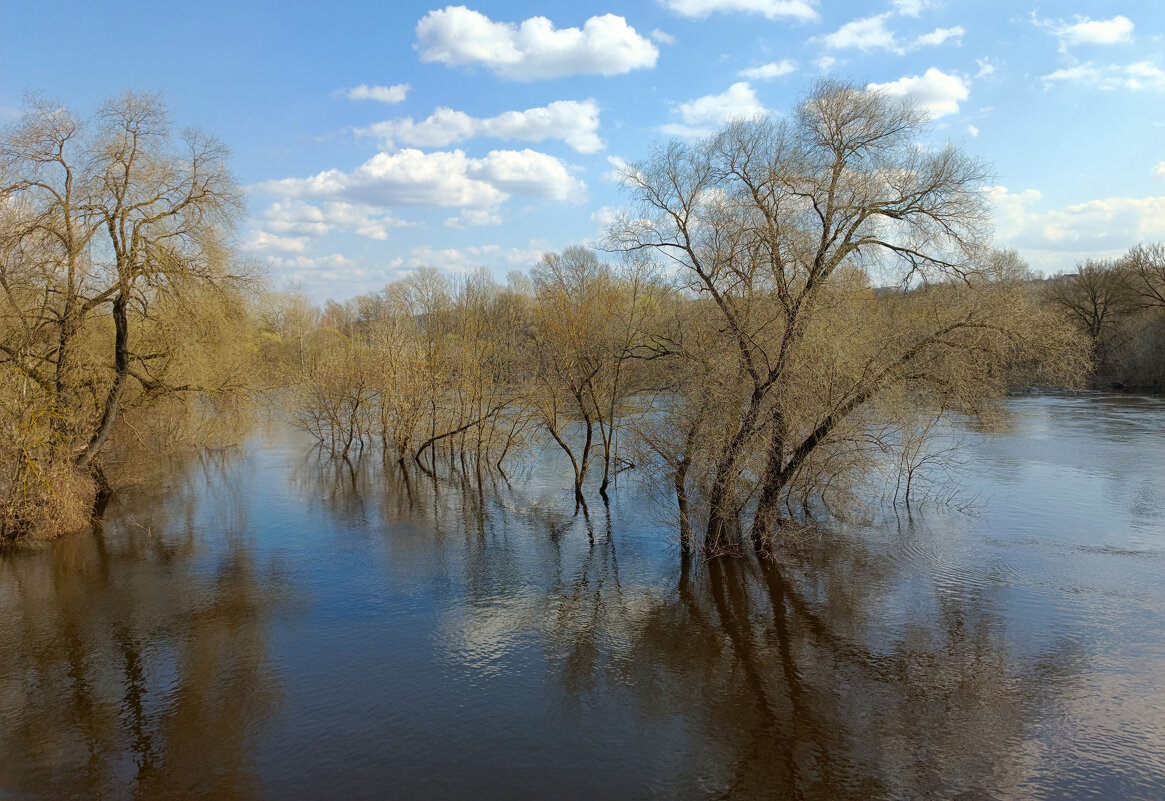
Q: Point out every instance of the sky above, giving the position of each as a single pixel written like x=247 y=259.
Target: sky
x=373 y=138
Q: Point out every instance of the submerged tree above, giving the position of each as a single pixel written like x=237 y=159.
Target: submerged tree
x=781 y=229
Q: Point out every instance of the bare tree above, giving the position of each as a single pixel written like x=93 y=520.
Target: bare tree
x=110 y=227
x=781 y=225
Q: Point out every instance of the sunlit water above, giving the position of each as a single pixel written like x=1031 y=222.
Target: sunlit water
x=270 y=624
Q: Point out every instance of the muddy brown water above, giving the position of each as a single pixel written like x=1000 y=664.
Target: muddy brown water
x=269 y=624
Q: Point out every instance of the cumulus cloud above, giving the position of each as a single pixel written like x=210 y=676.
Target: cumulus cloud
x=973 y=130
x=533 y=49
x=263 y=242
x=304 y=219
x=312 y=262
x=865 y=34
x=939 y=35
x=802 y=10
x=662 y=37
x=934 y=90
x=1139 y=75
x=1085 y=31
x=573 y=122
x=445 y=179
x=774 y=69
x=1159 y=170
x=618 y=169
x=1053 y=239
x=702 y=116
x=871 y=33
x=911 y=8
x=381 y=94
x=458 y=259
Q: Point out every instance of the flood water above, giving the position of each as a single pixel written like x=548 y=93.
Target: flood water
x=271 y=624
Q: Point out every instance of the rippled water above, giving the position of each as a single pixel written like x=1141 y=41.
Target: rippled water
x=273 y=625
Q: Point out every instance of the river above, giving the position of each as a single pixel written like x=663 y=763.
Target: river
x=266 y=623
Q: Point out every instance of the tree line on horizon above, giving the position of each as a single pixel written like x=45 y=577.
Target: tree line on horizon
x=783 y=310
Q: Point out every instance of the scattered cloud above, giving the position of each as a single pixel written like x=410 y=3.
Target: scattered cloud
x=473 y=217
x=702 y=116
x=469 y=258
x=986 y=67
x=1054 y=239
x=868 y=33
x=871 y=33
x=618 y=170
x=444 y=179
x=802 y=10
x=312 y=262
x=263 y=242
x=533 y=49
x=304 y=219
x=934 y=90
x=938 y=36
x=1159 y=170
x=662 y=37
x=973 y=130
x=912 y=8
x=826 y=63
x=381 y=94
x=774 y=69
x=1139 y=75
x=1086 y=31
x=573 y=122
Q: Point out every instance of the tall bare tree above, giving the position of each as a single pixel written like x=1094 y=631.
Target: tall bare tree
x=109 y=226
x=784 y=226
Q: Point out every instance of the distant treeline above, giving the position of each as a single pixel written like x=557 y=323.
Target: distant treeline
x=1120 y=305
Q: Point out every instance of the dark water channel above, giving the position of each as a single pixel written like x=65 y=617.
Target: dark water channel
x=269 y=624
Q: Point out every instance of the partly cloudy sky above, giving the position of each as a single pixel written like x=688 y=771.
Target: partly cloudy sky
x=374 y=138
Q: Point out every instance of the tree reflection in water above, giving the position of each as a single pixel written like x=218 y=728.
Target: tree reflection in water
x=134 y=664
x=786 y=680
x=139 y=662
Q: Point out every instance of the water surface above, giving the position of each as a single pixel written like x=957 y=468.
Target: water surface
x=271 y=624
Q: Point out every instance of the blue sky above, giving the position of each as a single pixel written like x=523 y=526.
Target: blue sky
x=373 y=138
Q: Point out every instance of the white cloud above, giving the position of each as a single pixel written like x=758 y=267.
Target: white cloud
x=826 y=63
x=475 y=186
x=1159 y=170
x=871 y=33
x=934 y=90
x=618 y=169
x=263 y=242
x=773 y=69
x=868 y=33
x=312 y=262
x=381 y=94
x=986 y=67
x=939 y=35
x=605 y=45
x=973 y=130
x=303 y=219
x=702 y=116
x=1093 y=31
x=772 y=9
x=527 y=172
x=911 y=8
x=575 y=123
x=1054 y=239
x=473 y=217
x=662 y=37
x=459 y=259
x=1139 y=75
